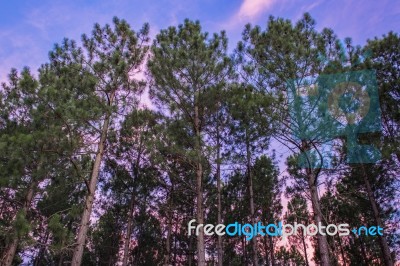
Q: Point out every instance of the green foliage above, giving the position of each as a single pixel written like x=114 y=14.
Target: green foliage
x=213 y=120
x=57 y=229
x=21 y=224
x=289 y=257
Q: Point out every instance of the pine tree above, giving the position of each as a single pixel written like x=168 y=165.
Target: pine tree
x=185 y=66
x=267 y=197
x=110 y=56
x=35 y=130
x=282 y=53
x=136 y=145
x=297 y=212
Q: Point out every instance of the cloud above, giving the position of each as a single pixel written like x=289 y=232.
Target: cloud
x=18 y=50
x=251 y=9
x=307 y=8
x=310 y=7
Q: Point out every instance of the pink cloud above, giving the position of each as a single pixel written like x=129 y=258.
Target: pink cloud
x=251 y=9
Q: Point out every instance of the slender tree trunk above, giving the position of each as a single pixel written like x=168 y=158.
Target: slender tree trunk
x=61 y=261
x=322 y=241
x=190 y=259
x=42 y=250
x=363 y=252
x=10 y=252
x=342 y=251
x=382 y=240
x=244 y=257
x=167 y=260
x=251 y=194
x=12 y=248
x=84 y=226
x=4 y=202
x=168 y=242
x=175 y=252
x=129 y=226
x=266 y=250
x=219 y=210
x=303 y=240
x=200 y=216
x=201 y=254
x=271 y=243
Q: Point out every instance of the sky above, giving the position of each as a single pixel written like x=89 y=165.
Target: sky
x=30 y=28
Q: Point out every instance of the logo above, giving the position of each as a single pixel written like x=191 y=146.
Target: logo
x=280 y=229
x=332 y=106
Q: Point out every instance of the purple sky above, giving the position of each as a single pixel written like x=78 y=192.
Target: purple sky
x=29 y=29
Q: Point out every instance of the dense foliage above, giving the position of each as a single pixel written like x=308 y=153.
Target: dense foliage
x=115 y=144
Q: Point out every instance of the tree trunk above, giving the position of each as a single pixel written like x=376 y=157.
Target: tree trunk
x=200 y=217
x=201 y=254
x=382 y=240
x=167 y=260
x=303 y=240
x=10 y=252
x=42 y=250
x=61 y=261
x=266 y=250
x=312 y=178
x=271 y=243
x=190 y=259
x=244 y=257
x=168 y=243
x=363 y=252
x=219 y=207
x=322 y=241
x=175 y=252
x=12 y=248
x=84 y=226
x=4 y=202
x=342 y=251
x=251 y=195
x=129 y=226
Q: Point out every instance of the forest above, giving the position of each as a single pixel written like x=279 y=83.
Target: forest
x=113 y=145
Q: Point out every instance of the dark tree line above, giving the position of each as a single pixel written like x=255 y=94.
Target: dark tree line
x=91 y=176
